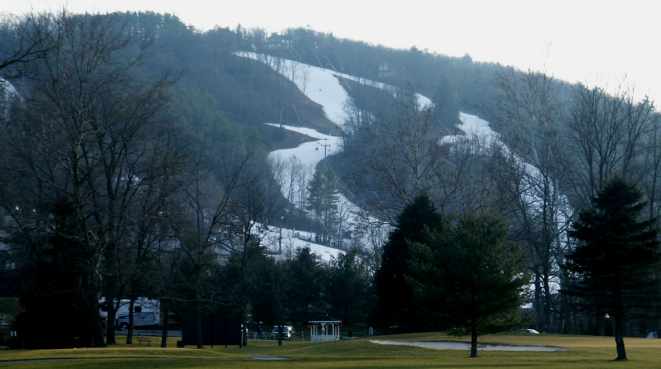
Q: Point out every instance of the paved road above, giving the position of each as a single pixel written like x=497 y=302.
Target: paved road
x=450 y=345
x=151 y=332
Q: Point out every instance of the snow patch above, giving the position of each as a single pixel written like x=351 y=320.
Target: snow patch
x=283 y=243
x=7 y=93
x=7 y=87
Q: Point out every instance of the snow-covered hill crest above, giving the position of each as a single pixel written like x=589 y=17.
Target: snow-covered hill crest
x=323 y=85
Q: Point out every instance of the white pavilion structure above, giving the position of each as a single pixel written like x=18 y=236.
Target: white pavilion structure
x=325 y=330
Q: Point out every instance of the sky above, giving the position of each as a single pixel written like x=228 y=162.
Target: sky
x=607 y=43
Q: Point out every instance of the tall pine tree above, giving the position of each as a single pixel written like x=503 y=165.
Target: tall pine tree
x=58 y=299
x=348 y=289
x=323 y=198
x=304 y=288
x=395 y=300
x=615 y=259
x=469 y=275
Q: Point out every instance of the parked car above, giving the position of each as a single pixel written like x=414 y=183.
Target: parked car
x=287 y=331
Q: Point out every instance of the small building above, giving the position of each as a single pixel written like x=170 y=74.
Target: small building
x=325 y=330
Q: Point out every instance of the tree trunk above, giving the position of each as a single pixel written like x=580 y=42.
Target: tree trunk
x=538 y=303
x=98 y=332
x=164 y=330
x=129 y=334
x=96 y=323
x=619 y=339
x=110 y=322
x=473 y=340
x=548 y=315
x=566 y=310
x=198 y=323
x=594 y=324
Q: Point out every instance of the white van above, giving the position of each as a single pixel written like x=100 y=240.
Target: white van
x=146 y=312
x=140 y=319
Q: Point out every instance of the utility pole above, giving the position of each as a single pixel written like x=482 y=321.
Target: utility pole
x=326 y=147
x=282 y=218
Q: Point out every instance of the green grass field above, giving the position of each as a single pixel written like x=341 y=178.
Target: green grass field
x=583 y=352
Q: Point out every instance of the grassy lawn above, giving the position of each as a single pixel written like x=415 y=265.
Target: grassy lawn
x=583 y=352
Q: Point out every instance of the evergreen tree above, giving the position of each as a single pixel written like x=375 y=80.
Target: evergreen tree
x=323 y=198
x=267 y=289
x=614 y=260
x=395 y=305
x=446 y=106
x=469 y=274
x=58 y=295
x=348 y=290
x=304 y=287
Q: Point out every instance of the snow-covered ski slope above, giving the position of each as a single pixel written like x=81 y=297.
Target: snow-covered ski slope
x=322 y=85
x=308 y=153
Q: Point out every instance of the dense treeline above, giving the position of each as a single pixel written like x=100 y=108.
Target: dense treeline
x=561 y=151
x=577 y=138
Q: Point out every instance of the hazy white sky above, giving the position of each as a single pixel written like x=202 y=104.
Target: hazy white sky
x=604 y=42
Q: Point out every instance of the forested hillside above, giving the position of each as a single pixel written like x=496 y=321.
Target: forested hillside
x=267 y=175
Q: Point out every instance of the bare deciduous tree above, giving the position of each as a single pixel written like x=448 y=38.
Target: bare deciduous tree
x=531 y=107
x=608 y=134
x=27 y=38
x=399 y=155
x=91 y=134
